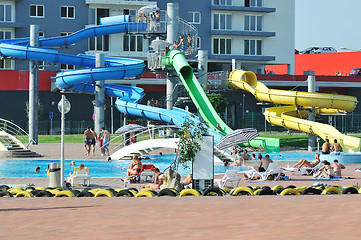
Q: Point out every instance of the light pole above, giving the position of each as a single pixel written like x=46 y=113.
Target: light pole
x=64 y=107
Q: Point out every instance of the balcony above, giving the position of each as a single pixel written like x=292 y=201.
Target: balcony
x=244 y=9
x=242 y=57
x=122 y=2
x=243 y=33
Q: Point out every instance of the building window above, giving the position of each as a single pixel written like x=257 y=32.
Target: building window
x=6 y=13
x=67 y=67
x=64 y=34
x=252 y=23
x=253 y=3
x=5 y=63
x=67 y=12
x=252 y=47
x=222 y=2
x=36 y=10
x=222 y=21
x=132 y=43
x=100 y=43
x=222 y=46
x=41 y=34
x=131 y=12
x=96 y=13
x=194 y=17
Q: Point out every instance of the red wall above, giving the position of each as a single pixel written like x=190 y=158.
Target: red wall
x=11 y=80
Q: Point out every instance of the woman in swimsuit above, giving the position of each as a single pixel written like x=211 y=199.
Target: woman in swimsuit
x=158 y=180
x=135 y=166
x=307 y=164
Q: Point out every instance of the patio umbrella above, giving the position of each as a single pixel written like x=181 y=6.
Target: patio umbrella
x=158 y=44
x=129 y=128
x=237 y=137
x=148 y=9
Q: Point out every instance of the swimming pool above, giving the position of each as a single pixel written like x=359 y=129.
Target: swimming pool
x=102 y=168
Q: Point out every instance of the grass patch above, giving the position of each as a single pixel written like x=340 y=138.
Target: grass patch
x=76 y=138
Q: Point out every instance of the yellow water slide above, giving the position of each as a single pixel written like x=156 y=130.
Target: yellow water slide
x=294 y=116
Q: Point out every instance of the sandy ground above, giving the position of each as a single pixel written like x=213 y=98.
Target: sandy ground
x=256 y=217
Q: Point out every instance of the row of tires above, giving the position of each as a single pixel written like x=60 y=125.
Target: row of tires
x=133 y=192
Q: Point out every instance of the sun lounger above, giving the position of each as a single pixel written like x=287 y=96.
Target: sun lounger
x=81 y=174
x=229 y=176
x=272 y=169
x=304 y=170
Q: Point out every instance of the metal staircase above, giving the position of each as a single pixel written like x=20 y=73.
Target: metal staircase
x=10 y=145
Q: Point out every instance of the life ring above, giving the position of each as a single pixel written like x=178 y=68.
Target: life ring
x=277 y=187
x=43 y=193
x=24 y=194
x=125 y=193
x=189 y=192
x=331 y=190
x=242 y=191
x=5 y=194
x=212 y=192
x=145 y=193
x=289 y=191
x=312 y=191
x=264 y=192
x=104 y=193
x=350 y=190
x=64 y=193
x=85 y=193
x=167 y=192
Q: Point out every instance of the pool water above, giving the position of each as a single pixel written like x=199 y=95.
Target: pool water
x=102 y=168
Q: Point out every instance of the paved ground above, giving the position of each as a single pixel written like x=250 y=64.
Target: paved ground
x=256 y=217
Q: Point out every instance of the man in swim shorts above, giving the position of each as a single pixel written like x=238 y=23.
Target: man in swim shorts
x=106 y=137
x=87 y=140
x=326 y=147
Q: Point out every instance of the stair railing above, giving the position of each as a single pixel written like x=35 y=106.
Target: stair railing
x=16 y=131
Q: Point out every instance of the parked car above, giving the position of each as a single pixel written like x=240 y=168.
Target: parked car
x=355 y=72
x=318 y=50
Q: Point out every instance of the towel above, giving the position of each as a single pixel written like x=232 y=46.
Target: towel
x=330 y=179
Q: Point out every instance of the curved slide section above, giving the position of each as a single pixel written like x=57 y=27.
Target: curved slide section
x=185 y=72
x=293 y=117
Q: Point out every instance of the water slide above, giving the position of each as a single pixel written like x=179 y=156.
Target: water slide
x=185 y=73
x=83 y=80
x=294 y=117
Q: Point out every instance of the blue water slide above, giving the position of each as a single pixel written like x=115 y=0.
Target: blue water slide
x=83 y=80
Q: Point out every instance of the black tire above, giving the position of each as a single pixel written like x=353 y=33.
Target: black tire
x=85 y=194
x=350 y=190
x=5 y=194
x=266 y=187
x=167 y=192
x=311 y=191
x=44 y=193
x=113 y=191
x=5 y=187
x=265 y=191
x=132 y=189
x=49 y=188
x=75 y=192
x=124 y=193
x=212 y=192
x=290 y=186
x=154 y=192
x=278 y=191
x=34 y=192
x=27 y=188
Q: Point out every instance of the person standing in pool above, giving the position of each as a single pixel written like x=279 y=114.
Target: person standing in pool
x=87 y=140
x=326 y=147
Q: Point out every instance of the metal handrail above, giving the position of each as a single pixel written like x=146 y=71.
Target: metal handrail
x=124 y=140
x=16 y=131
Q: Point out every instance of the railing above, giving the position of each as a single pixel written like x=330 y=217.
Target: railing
x=216 y=80
x=130 y=137
x=16 y=131
x=186 y=28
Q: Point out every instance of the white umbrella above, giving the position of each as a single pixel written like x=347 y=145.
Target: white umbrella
x=148 y=9
x=158 y=44
x=237 y=137
x=129 y=128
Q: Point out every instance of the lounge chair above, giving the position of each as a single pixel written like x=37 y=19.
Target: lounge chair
x=81 y=174
x=272 y=169
x=304 y=170
x=229 y=176
x=147 y=171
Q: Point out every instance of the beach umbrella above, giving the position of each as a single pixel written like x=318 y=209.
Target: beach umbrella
x=158 y=44
x=236 y=137
x=130 y=128
x=148 y=9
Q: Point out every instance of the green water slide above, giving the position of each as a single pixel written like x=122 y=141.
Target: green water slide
x=177 y=60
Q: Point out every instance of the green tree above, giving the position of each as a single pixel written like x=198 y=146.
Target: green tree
x=40 y=109
x=219 y=103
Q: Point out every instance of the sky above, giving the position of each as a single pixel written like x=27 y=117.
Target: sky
x=331 y=23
